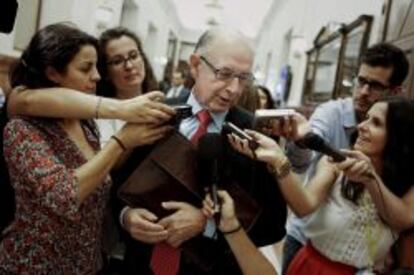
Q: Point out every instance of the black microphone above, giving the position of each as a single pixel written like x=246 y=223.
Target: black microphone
x=316 y=143
x=209 y=151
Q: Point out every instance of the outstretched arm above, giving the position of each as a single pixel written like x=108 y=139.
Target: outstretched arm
x=302 y=201
x=68 y=103
x=91 y=174
x=305 y=200
x=397 y=212
x=249 y=258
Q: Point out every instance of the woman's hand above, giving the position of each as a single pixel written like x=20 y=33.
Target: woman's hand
x=357 y=167
x=292 y=127
x=228 y=219
x=268 y=150
x=146 y=108
x=133 y=134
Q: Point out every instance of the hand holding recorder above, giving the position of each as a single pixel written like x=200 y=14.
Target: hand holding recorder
x=230 y=128
x=286 y=123
x=227 y=221
x=266 y=149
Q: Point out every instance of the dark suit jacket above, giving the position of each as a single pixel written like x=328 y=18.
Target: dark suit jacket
x=184 y=93
x=251 y=176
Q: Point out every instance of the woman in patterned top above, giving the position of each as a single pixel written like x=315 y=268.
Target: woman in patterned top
x=358 y=205
x=57 y=169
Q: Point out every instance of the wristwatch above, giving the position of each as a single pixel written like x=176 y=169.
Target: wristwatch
x=281 y=170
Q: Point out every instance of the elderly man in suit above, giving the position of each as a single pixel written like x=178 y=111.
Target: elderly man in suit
x=221 y=66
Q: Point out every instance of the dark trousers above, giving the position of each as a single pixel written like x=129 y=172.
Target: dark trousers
x=290 y=249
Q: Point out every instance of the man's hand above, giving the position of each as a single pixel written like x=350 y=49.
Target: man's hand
x=142 y=226
x=187 y=222
x=146 y=108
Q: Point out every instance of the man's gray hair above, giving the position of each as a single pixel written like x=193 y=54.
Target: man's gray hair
x=208 y=38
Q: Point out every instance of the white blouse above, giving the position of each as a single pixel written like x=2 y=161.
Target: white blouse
x=108 y=127
x=349 y=233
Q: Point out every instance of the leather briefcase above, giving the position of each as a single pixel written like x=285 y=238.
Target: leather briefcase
x=168 y=173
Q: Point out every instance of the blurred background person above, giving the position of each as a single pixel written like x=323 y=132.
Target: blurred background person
x=177 y=89
x=165 y=83
x=265 y=98
x=249 y=99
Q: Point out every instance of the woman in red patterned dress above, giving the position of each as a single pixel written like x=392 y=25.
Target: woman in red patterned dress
x=58 y=171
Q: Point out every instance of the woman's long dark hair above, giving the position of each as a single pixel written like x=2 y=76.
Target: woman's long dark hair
x=53 y=46
x=270 y=103
x=398 y=173
x=398 y=154
x=105 y=86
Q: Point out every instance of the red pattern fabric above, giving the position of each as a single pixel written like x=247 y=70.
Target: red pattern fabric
x=52 y=233
x=309 y=261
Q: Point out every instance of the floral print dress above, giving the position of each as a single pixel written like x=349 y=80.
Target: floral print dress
x=52 y=233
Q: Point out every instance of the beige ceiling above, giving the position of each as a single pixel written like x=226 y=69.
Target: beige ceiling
x=245 y=15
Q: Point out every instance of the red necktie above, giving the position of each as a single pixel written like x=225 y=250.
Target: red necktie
x=204 y=119
x=165 y=259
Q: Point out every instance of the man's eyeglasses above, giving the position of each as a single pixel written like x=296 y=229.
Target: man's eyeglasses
x=227 y=75
x=373 y=86
x=119 y=61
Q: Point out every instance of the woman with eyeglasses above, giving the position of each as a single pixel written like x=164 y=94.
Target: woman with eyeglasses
x=358 y=206
x=126 y=72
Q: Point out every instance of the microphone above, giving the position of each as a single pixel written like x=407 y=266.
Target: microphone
x=316 y=143
x=209 y=151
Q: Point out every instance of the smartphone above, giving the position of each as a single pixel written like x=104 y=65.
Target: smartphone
x=231 y=128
